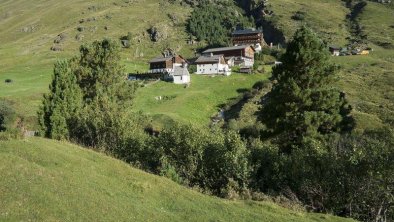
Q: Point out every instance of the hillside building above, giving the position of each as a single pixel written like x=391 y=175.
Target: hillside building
x=166 y=64
x=242 y=55
x=181 y=75
x=248 y=37
x=335 y=50
x=212 y=64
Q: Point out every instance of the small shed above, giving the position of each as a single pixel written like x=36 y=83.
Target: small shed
x=335 y=50
x=181 y=75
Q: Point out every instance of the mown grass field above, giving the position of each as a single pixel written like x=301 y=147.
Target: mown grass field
x=44 y=180
x=194 y=104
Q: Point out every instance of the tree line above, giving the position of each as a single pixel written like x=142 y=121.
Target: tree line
x=306 y=150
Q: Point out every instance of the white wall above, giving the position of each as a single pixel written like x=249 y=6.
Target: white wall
x=208 y=68
x=181 y=79
x=211 y=69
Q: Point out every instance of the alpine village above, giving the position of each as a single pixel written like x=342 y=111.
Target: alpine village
x=197 y=110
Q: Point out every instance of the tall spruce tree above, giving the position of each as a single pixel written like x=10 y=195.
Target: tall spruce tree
x=88 y=96
x=107 y=95
x=304 y=101
x=61 y=105
x=99 y=72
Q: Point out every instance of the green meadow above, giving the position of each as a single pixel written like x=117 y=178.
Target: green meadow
x=194 y=104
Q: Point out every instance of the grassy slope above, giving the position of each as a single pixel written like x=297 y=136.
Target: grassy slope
x=195 y=104
x=25 y=56
x=45 y=180
x=327 y=17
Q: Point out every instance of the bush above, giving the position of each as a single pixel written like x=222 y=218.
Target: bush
x=299 y=16
x=7 y=114
x=192 y=69
x=259 y=85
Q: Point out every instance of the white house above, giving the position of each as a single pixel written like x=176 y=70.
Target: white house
x=181 y=75
x=212 y=64
x=243 y=55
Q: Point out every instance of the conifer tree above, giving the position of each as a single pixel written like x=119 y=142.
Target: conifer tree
x=100 y=72
x=304 y=101
x=62 y=104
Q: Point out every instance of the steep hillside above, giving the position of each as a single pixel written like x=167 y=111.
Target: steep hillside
x=44 y=180
x=327 y=17
x=28 y=30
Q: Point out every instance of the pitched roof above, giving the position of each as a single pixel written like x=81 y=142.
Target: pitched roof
x=161 y=59
x=212 y=59
x=226 y=48
x=246 y=31
x=334 y=47
x=181 y=71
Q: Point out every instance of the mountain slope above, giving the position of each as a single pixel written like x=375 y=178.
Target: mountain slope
x=45 y=180
x=28 y=30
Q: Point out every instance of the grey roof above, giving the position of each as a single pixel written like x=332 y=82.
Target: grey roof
x=205 y=58
x=226 y=48
x=246 y=31
x=161 y=59
x=181 y=71
x=335 y=47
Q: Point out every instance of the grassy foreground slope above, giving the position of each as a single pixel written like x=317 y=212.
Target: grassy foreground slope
x=44 y=180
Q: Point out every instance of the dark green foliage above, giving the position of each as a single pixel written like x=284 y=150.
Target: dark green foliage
x=7 y=114
x=213 y=23
x=89 y=100
x=62 y=104
x=304 y=102
x=182 y=147
x=107 y=95
x=213 y=160
x=192 y=69
x=348 y=175
x=99 y=72
x=225 y=164
x=299 y=16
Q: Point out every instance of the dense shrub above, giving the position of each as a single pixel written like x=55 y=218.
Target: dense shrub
x=299 y=16
x=7 y=114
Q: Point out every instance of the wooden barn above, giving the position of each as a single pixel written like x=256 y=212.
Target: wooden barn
x=248 y=37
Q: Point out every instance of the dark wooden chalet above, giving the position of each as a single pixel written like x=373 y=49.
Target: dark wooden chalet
x=233 y=51
x=248 y=37
x=166 y=62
